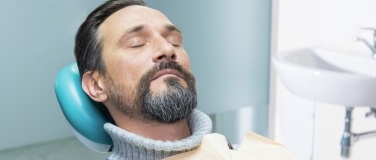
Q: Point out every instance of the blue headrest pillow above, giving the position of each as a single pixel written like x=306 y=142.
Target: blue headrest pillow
x=82 y=113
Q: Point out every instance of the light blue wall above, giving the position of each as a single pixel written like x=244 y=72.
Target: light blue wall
x=36 y=40
x=228 y=43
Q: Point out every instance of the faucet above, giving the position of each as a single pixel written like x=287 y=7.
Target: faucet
x=372 y=47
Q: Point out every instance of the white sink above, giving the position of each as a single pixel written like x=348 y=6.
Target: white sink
x=327 y=76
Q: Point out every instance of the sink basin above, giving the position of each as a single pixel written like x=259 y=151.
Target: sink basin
x=327 y=76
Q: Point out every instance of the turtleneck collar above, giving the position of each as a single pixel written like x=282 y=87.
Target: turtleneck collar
x=128 y=145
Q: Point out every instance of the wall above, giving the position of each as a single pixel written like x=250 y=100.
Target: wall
x=329 y=24
x=36 y=41
x=228 y=44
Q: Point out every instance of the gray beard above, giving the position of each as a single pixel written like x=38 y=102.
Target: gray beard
x=169 y=106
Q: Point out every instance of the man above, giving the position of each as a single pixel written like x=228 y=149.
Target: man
x=131 y=58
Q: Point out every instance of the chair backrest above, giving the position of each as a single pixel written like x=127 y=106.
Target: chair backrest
x=82 y=113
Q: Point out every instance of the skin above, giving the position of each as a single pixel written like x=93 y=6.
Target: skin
x=135 y=39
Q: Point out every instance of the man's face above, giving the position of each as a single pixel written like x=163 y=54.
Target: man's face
x=147 y=68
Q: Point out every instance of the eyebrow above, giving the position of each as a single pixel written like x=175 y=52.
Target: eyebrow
x=171 y=27
x=138 y=28
x=134 y=29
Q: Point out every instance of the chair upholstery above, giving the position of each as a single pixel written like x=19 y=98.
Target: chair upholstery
x=82 y=113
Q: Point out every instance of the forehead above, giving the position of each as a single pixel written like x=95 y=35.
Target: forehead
x=130 y=17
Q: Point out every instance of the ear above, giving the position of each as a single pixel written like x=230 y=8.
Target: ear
x=94 y=87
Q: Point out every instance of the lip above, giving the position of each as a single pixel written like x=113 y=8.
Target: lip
x=166 y=72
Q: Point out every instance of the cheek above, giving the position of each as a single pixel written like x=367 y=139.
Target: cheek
x=121 y=72
x=184 y=61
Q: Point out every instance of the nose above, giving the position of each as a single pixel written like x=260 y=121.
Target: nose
x=164 y=52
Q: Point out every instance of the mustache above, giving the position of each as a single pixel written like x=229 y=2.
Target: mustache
x=167 y=65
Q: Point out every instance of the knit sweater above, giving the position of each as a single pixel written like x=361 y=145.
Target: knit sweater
x=128 y=145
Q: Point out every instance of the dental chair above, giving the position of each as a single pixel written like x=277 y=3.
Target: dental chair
x=82 y=113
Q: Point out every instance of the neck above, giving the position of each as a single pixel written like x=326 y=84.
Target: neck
x=155 y=130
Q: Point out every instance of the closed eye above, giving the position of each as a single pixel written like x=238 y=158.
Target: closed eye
x=138 y=45
x=175 y=41
x=175 y=45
